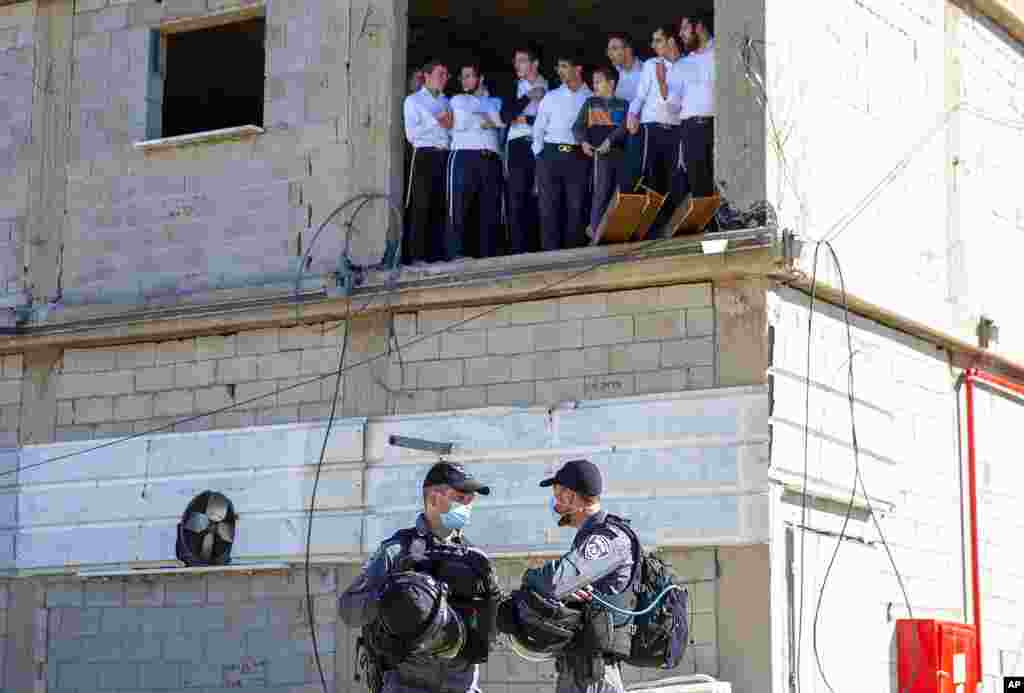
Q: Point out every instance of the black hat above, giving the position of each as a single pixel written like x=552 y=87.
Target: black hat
x=581 y=476
x=456 y=476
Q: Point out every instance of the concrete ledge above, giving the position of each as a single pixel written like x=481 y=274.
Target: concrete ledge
x=751 y=252
x=199 y=138
x=246 y=569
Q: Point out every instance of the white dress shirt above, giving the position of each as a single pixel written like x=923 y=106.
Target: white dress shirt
x=421 y=127
x=649 y=103
x=629 y=80
x=468 y=131
x=696 y=97
x=523 y=88
x=556 y=116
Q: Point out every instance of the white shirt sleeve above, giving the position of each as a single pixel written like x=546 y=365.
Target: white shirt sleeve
x=540 y=124
x=643 y=89
x=413 y=117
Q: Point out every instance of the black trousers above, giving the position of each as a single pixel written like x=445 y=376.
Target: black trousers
x=611 y=173
x=659 y=155
x=522 y=203
x=474 y=195
x=563 y=179
x=698 y=135
x=425 y=205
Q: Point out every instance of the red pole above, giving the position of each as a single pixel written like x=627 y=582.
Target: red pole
x=972 y=493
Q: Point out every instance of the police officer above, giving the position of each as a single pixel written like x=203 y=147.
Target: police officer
x=601 y=562
x=429 y=625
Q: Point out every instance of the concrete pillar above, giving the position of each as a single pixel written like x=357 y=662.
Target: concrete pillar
x=51 y=136
x=25 y=657
x=741 y=332
x=39 y=396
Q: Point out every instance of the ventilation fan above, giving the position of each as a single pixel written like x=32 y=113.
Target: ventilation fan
x=207 y=530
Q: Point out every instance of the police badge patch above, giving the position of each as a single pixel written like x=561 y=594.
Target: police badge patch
x=597 y=547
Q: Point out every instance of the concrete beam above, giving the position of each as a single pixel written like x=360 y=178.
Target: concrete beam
x=1009 y=14
x=119 y=327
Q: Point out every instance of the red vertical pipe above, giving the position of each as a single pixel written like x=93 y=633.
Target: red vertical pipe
x=972 y=494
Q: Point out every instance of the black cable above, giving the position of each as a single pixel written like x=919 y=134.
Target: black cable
x=864 y=490
x=803 y=494
x=312 y=502
x=635 y=253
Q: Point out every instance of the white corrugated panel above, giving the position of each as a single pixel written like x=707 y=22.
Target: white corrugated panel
x=689 y=468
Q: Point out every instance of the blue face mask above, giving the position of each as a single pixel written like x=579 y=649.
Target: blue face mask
x=457 y=516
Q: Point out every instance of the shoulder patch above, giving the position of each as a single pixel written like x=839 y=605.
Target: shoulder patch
x=597 y=547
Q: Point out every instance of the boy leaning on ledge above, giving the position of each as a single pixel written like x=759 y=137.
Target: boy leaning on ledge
x=601 y=131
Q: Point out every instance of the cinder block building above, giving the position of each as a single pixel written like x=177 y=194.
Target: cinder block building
x=185 y=257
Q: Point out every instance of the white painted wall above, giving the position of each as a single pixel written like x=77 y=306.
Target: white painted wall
x=856 y=87
x=689 y=468
x=907 y=431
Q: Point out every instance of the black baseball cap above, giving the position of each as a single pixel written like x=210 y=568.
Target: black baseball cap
x=456 y=476
x=581 y=476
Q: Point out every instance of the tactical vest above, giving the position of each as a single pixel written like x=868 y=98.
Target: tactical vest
x=467 y=595
x=606 y=632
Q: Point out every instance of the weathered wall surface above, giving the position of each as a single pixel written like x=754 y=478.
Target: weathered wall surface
x=111 y=221
x=541 y=352
x=922 y=100
x=908 y=437
x=4 y=602
x=219 y=633
x=16 y=91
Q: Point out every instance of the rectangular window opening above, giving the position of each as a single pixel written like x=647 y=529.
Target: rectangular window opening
x=213 y=78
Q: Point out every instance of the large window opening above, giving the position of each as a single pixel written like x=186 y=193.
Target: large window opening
x=457 y=32
x=213 y=78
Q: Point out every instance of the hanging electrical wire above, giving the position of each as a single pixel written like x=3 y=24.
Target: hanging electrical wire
x=858 y=481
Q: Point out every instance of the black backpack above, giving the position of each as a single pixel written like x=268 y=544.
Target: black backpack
x=660 y=636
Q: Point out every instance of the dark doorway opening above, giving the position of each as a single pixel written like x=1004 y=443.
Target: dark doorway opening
x=214 y=78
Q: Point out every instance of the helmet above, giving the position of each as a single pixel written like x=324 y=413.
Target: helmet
x=414 y=612
x=206 y=531
x=538 y=628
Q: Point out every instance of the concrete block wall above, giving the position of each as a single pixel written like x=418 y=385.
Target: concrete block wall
x=4 y=601
x=16 y=70
x=11 y=372
x=221 y=632
x=143 y=224
x=907 y=428
x=936 y=82
x=542 y=352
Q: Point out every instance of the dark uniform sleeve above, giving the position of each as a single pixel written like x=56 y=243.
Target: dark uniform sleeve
x=357 y=605
x=596 y=558
x=579 y=128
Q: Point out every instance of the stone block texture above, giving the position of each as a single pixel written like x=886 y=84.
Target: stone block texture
x=530 y=353
x=238 y=631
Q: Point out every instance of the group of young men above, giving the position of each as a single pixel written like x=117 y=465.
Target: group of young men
x=545 y=165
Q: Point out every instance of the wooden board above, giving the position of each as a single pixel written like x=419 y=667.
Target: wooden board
x=655 y=201
x=693 y=214
x=628 y=217
x=619 y=221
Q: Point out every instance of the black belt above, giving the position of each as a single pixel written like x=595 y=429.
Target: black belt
x=564 y=148
x=663 y=126
x=485 y=153
x=431 y=149
x=699 y=119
